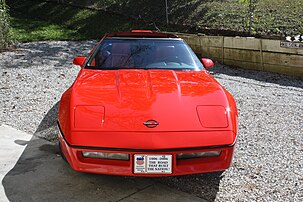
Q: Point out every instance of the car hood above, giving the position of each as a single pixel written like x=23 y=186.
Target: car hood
x=123 y=100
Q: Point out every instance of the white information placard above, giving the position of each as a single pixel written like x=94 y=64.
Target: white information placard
x=153 y=164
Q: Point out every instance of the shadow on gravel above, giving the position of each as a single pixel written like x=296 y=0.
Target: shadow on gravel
x=267 y=77
x=42 y=175
x=31 y=55
x=205 y=185
x=47 y=129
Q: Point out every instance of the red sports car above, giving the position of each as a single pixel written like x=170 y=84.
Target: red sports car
x=144 y=105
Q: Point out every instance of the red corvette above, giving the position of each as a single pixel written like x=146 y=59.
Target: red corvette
x=144 y=105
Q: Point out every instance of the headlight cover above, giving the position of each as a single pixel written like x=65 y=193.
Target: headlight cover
x=212 y=116
x=198 y=154
x=105 y=155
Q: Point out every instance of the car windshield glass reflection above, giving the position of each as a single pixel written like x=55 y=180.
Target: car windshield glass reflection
x=128 y=53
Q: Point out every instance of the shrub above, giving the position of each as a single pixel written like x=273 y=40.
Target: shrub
x=4 y=25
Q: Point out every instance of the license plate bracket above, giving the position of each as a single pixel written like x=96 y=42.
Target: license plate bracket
x=153 y=163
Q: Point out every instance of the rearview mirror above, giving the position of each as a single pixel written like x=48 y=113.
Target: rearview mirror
x=207 y=63
x=79 y=60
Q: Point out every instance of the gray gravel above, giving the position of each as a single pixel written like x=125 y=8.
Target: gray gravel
x=268 y=162
x=33 y=77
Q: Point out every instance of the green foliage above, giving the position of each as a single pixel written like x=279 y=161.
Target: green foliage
x=244 y=1
x=269 y=17
x=38 y=20
x=26 y=30
x=4 y=25
x=279 y=16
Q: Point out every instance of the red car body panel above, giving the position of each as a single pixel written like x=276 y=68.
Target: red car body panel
x=114 y=167
x=104 y=110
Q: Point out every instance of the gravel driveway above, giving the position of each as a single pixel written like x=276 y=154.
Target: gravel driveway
x=268 y=162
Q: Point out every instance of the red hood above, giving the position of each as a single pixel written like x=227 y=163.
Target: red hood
x=122 y=100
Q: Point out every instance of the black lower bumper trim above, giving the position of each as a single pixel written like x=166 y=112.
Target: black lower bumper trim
x=143 y=150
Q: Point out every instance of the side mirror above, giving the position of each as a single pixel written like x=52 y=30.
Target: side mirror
x=207 y=63
x=79 y=60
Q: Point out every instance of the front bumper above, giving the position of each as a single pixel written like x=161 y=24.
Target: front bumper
x=126 y=167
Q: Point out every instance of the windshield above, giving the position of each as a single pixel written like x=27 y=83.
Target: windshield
x=144 y=53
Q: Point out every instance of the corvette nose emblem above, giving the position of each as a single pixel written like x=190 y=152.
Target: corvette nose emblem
x=151 y=123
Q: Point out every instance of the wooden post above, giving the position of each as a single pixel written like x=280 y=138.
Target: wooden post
x=261 y=55
x=222 y=49
x=166 y=9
